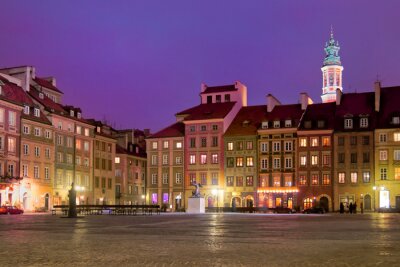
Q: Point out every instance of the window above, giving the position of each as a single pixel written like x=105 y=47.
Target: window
x=230 y=162
x=303 y=160
x=239 y=162
x=396 y=137
x=397 y=173
x=26 y=129
x=117 y=160
x=353 y=177
x=277 y=181
x=11 y=144
x=26 y=149
x=239 y=180
x=86 y=146
x=264 y=125
x=277 y=124
x=87 y=132
x=214 y=158
x=153 y=159
x=203 y=178
x=314 y=179
x=26 y=110
x=341 y=157
x=353 y=140
x=239 y=145
x=264 y=147
x=363 y=122
x=227 y=97
x=320 y=124
x=203 y=159
x=230 y=146
x=37 y=151
x=288 y=163
x=288 y=145
x=383 y=173
x=383 y=155
x=249 y=162
x=214 y=178
x=229 y=181
x=326 y=141
x=178 y=160
x=203 y=128
x=192 y=159
x=78 y=144
x=314 y=160
x=396 y=120
x=69 y=158
x=164 y=159
x=341 y=177
x=192 y=142
x=366 y=157
x=365 y=140
x=37 y=131
x=353 y=157
x=109 y=183
x=154 y=145
x=178 y=177
x=288 y=123
x=59 y=157
x=12 y=118
x=249 y=145
x=97 y=181
x=314 y=141
x=178 y=145
x=396 y=154
x=192 y=128
x=69 y=142
x=382 y=138
x=341 y=141
x=215 y=141
x=307 y=124
x=302 y=180
x=59 y=140
x=78 y=160
x=154 y=178
x=165 y=144
x=348 y=123
x=192 y=178
x=366 y=177
x=277 y=163
x=165 y=178
x=47 y=134
x=326 y=179
x=78 y=129
x=249 y=180
x=303 y=142
x=24 y=170
x=47 y=152
x=326 y=160
x=276 y=146
x=35 y=172
x=264 y=164
x=215 y=126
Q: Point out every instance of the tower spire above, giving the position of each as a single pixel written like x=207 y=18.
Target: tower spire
x=331 y=70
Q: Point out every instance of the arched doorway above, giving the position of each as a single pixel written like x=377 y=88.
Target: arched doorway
x=210 y=202
x=367 y=202
x=236 y=202
x=324 y=203
x=46 y=202
x=249 y=201
x=25 y=201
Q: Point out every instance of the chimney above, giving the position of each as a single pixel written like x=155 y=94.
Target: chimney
x=203 y=87
x=272 y=102
x=338 y=96
x=377 y=87
x=305 y=100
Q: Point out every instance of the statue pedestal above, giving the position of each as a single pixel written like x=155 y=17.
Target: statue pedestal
x=196 y=205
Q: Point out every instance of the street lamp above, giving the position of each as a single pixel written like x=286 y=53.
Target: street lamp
x=143 y=197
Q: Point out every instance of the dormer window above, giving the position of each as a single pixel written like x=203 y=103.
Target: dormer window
x=321 y=124
x=348 y=123
x=277 y=124
x=218 y=98
x=79 y=115
x=37 y=112
x=26 y=110
x=288 y=123
x=41 y=95
x=227 y=98
x=396 y=120
x=363 y=122
x=71 y=113
x=264 y=125
x=98 y=129
x=307 y=124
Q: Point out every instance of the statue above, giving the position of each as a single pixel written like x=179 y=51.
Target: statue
x=72 y=202
x=196 y=192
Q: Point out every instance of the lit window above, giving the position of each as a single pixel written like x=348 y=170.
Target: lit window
x=239 y=162
x=397 y=173
x=214 y=158
x=326 y=141
x=249 y=162
x=153 y=159
x=314 y=160
x=179 y=145
x=230 y=146
x=341 y=177
x=86 y=146
x=383 y=155
x=396 y=120
x=302 y=180
x=353 y=177
x=87 y=132
x=314 y=179
x=303 y=142
x=154 y=145
x=203 y=159
x=78 y=129
x=165 y=144
x=78 y=144
x=314 y=141
x=11 y=144
x=303 y=160
x=366 y=177
x=11 y=118
x=192 y=159
x=396 y=137
x=326 y=179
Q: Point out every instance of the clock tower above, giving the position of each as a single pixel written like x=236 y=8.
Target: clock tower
x=331 y=71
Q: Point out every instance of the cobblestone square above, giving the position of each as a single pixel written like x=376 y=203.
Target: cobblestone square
x=201 y=240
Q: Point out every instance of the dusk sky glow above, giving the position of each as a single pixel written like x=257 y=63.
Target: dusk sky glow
x=137 y=63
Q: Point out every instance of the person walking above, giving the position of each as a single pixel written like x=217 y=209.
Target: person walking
x=351 y=208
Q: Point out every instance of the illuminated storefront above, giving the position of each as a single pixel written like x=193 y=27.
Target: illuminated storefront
x=272 y=197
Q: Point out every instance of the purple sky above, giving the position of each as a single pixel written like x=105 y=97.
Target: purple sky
x=138 y=63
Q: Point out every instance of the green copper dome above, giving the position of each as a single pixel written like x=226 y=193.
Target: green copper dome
x=332 y=52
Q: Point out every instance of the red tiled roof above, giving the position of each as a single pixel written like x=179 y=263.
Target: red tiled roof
x=207 y=111
x=219 y=89
x=174 y=130
x=247 y=121
x=356 y=104
x=319 y=112
x=48 y=104
x=389 y=107
x=14 y=94
x=47 y=84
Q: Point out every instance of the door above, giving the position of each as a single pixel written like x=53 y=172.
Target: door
x=210 y=201
x=278 y=202
x=46 y=202
x=384 y=199
x=398 y=202
x=324 y=203
x=367 y=202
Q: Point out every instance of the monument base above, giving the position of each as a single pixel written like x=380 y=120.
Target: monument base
x=196 y=205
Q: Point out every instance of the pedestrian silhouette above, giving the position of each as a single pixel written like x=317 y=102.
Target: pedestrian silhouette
x=351 y=208
x=341 y=207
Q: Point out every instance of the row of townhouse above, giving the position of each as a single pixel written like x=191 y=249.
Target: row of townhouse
x=46 y=146
x=272 y=155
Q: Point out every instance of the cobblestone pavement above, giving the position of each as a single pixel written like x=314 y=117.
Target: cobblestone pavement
x=201 y=240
